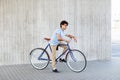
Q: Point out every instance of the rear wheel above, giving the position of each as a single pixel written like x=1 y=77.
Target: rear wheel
x=76 y=60
x=39 y=58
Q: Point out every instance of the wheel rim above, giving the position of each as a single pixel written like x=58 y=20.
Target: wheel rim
x=76 y=61
x=40 y=63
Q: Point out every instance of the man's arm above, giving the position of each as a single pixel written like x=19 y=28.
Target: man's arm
x=61 y=39
x=71 y=36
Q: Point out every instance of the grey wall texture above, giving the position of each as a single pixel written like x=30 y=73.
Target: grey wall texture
x=24 y=24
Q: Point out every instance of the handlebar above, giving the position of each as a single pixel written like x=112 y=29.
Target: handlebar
x=70 y=39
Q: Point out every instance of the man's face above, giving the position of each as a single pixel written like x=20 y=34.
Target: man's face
x=64 y=27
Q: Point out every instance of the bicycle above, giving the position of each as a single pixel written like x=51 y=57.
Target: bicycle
x=75 y=59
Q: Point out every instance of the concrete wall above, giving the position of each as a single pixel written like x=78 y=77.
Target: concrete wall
x=24 y=23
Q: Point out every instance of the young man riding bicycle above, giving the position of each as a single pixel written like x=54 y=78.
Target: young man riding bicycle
x=57 y=37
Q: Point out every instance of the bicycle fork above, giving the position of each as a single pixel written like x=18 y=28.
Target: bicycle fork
x=72 y=56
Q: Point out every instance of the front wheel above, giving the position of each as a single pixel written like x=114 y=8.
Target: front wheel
x=39 y=58
x=76 y=60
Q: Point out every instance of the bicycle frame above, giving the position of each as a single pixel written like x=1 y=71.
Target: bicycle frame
x=48 y=46
x=39 y=58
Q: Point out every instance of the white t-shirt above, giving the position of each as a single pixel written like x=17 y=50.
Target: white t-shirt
x=54 y=39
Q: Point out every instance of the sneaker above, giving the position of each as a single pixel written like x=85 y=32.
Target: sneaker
x=62 y=60
x=55 y=70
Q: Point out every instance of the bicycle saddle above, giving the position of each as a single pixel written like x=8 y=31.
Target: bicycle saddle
x=46 y=38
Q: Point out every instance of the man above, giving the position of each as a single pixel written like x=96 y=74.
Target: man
x=57 y=37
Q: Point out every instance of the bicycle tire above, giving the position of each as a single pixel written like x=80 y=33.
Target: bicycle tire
x=37 y=64
x=72 y=64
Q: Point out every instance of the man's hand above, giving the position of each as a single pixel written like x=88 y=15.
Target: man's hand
x=71 y=36
x=75 y=39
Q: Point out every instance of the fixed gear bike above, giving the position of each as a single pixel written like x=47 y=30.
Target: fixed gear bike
x=75 y=59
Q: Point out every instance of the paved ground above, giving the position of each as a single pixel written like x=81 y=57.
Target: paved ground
x=96 y=70
x=116 y=49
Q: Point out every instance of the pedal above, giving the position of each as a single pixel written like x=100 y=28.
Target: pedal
x=62 y=60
